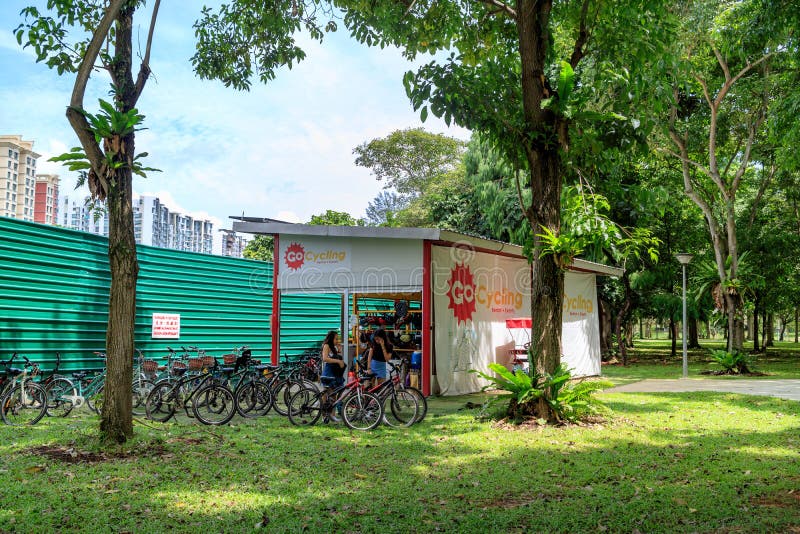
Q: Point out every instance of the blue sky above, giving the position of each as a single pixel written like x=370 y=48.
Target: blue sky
x=282 y=150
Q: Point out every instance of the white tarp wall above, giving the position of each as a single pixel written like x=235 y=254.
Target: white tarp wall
x=312 y=263
x=580 y=334
x=475 y=292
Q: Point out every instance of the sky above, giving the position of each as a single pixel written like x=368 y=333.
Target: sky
x=282 y=150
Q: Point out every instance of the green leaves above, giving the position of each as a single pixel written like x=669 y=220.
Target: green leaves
x=569 y=401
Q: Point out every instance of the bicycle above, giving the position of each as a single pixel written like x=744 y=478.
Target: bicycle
x=360 y=410
x=22 y=401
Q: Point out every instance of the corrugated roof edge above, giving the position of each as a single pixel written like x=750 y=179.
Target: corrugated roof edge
x=254 y=225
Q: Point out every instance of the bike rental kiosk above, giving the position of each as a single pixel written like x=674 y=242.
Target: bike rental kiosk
x=446 y=295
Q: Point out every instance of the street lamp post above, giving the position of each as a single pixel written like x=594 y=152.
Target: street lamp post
x=684 y=260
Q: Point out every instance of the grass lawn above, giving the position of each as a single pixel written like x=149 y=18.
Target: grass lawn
x=652 y=359
x=683 y=462
x=690 y=462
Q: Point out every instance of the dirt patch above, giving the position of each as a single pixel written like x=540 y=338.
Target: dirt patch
x=533 y=424
x=725 y=372
x=787 y=499
x=71 y=455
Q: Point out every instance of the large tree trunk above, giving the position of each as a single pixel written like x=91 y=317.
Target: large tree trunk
x=735 y=324
x=542 y=135
x=117 y=418
x=694 y=338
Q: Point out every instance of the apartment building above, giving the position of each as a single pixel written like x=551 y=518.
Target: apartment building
x=18 y=184
x=45 y=204
x=153 y=224
x=233 y=244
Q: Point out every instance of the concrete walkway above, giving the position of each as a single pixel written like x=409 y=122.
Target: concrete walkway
x=783 y=388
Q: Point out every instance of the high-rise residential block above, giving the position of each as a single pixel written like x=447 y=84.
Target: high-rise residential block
x=45 y=204
x=153 y=224
x=18 y=178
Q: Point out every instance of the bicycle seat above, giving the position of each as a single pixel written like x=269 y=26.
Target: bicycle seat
x=13 y=371
x=80 y=375
x=327 y=381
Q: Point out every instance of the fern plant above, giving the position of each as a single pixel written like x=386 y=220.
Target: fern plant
x=569 y=401
x=732 y=362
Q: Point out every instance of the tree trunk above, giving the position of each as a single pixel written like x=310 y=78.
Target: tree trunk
x=754 y=328
x=620 y=319
x=769 y=324
x=694 y=338
x=782 y=332
x=116 y=422
x=796 y=322
x=735 y=324
x=629 y=334
x=673 y=331
x=117 y=418
x=605 y=330
x=541 y=142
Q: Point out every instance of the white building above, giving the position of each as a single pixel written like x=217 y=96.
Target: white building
x=18 y=183
x=233 y=244
x=154 y=224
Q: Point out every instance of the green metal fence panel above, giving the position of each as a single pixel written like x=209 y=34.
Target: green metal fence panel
x=54 y=298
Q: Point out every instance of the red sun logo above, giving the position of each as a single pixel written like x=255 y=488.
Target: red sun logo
x=461 y=293
x=295 y=256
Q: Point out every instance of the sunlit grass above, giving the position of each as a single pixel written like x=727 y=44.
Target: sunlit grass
x=689 y=462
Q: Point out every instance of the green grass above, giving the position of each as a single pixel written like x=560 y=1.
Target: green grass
x=653 y=359
x=691 y=462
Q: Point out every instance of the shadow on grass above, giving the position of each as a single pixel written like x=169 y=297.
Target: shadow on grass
x=679 y=462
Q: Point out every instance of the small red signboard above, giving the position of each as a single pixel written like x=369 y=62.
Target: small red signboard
x=166 y=326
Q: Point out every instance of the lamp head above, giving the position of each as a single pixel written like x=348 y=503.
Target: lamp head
x=684 y=258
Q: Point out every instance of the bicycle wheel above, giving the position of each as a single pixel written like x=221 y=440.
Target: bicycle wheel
x=400 y=409
x=304 y=407
x=58 y=391
x=422 y=403
x=214 y=405
x=24 y=404
x=161 y=402
x=95 y=402
x=141 y=389
x=284 y=391
x=362 y=411
x=253 y=399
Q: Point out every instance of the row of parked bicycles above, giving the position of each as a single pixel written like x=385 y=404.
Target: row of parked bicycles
x=214 y=390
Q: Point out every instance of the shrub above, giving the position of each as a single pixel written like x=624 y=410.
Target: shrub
x=732 y=362
x=569 y=401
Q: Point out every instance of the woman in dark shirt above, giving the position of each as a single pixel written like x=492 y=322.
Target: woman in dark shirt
x=332 y=362
x=380 y=353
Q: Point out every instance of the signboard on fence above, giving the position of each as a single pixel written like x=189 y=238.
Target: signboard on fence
x=166 y=326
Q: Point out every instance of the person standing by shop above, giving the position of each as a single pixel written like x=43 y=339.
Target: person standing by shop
x=332 y=362
x=380 y=353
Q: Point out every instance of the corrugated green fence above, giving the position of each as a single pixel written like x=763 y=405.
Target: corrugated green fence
x=54 y=298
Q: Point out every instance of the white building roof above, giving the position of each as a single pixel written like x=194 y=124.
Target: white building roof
x=271 y=226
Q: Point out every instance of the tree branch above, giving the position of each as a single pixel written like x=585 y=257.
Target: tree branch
x=144 y=70
x=505 y=8
x=730 y=81
x=583 y=37
x=75 y=110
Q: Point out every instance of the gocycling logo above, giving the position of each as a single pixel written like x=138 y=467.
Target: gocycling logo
x=295 y=256
x=461 y=293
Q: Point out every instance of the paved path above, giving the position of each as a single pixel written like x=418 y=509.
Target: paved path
x=784 y=388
